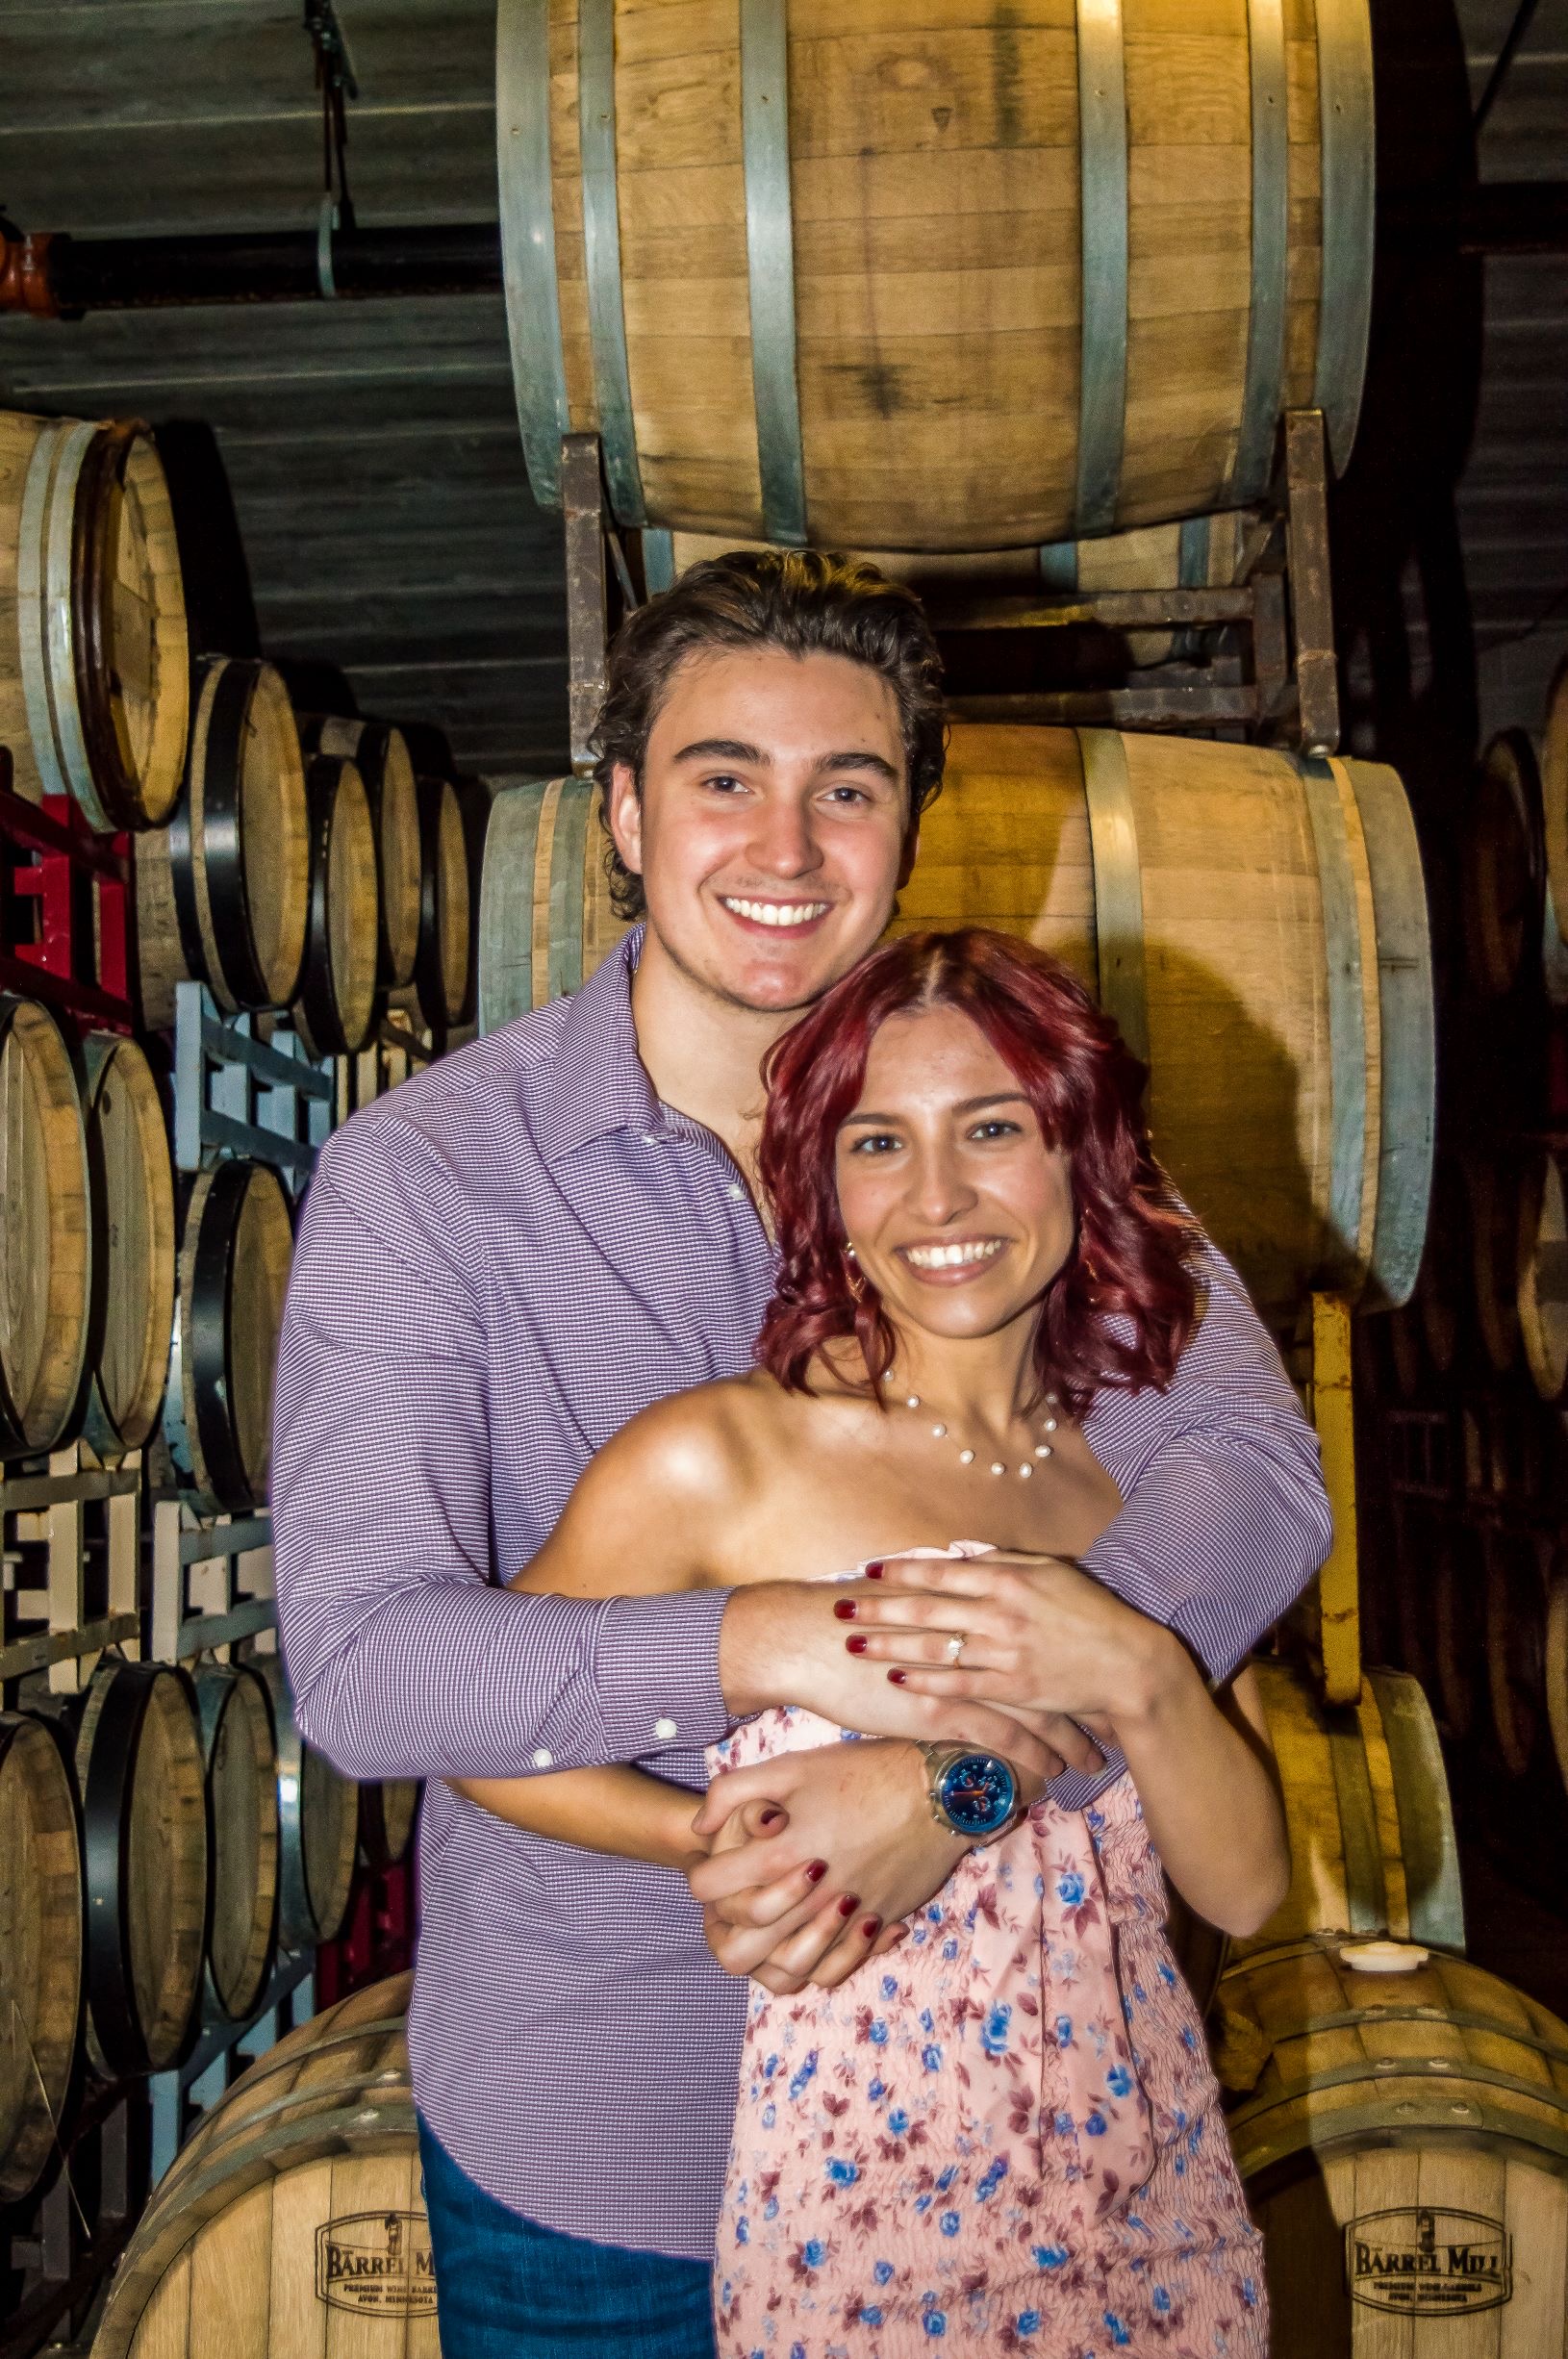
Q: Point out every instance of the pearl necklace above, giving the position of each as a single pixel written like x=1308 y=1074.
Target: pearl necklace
x=966 y=1456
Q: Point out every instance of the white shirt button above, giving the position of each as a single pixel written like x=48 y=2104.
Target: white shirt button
x=542 y=1759
x=664 y=1729
x=650 y=1138
x=734 y=1191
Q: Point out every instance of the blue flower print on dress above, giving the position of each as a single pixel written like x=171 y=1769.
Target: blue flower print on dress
x=931 y=2057
x=742 y=2231
x=769 y=2115
x=1071 y=1887
x=945 y=2178
x=993 y=2036
x=1027 y=2322
x=878 y=2033
x=950 y=2223
x=1121 y=2333
x=934 y=2322
x=814 y=2253
x=884 y=2273
x=889 y=1987
x=872 y=2315
x=804 y=2075
x=898 y=2121
x=1049 y=2256
x=1159 y=2300
x=1064 y=2031
x=841 y=2172
x=1095 y=2124
x=1118 y=2081
x=996 y=2170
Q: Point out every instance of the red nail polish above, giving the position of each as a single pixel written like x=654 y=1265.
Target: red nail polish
x=767 y=1817
x=846 y=1609
x=871 y=1927
x=857 y=1645
x=816 y=1871
x=873 y=1571
x=849 y=1904
x=897 y=1677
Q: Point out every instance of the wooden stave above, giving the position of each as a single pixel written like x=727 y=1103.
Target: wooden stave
x=1503 y=872
x=28 y=2133
x=226 y=1470
x=1446 y=2077
x=1493 y=1180
x=335 y=2088
x=112 y=1429
x=64 y=481
x=389 y=1814
x=314 y=1892
x=196 y=895
x=1541 y=1267
x=339 y=1000
x=541 y=864
x=108 y=1750
x=566 y=232
x=224 y=1693
x=1518 y=1571
x=1373 y=1846
x=379 y=751
x=46 y=1416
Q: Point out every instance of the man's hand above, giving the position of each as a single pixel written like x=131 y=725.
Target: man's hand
x=783 y=1642
x=1040 y=1636
x=808 y=1893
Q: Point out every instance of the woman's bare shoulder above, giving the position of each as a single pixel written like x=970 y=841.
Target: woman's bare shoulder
x=703 y=1447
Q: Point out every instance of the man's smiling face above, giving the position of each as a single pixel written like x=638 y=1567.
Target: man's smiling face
x=772 y=829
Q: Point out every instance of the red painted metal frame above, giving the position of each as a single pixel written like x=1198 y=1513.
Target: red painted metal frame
x=79 y=962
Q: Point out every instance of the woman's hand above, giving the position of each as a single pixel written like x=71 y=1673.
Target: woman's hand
x=782 y=1642
x=773 y=1906
x=1039 y=1636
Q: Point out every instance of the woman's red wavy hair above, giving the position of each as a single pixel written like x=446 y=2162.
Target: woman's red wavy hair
x=1123 y=1306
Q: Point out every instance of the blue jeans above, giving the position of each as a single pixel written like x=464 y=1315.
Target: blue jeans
x=511 y=2290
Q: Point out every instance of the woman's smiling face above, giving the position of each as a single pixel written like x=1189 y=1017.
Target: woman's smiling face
x=960 y=1212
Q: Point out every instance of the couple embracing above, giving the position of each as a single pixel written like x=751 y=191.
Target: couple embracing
x=764 y=1440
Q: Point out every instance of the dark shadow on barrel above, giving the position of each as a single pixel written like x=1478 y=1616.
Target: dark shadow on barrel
x=221 y=611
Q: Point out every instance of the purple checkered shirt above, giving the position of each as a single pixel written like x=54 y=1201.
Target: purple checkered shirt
x=500 y=1263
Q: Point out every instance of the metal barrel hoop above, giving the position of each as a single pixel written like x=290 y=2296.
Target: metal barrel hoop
x=1347 y=1016
x=769 y=250
x=215 y=1686
x=602 y=258
x=1119 y=893
x=569 y=843
x=297 y=1920
x=430 y=951
x=107 y=1795
x=106 y=787
x=318 y=1018
x=223 y=858
x=1409 y=1123
x=528 y=215
x=1347 y=133
x=1059 y=567
x=1264 y=384
x=1102 y=135
x=45 y=579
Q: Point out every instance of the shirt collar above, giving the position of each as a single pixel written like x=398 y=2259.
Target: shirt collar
x=601 y=1085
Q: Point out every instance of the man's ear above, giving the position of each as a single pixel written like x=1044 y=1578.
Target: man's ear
x=623 y=809
x=906 y=858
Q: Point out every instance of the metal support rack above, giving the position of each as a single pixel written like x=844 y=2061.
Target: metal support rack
x=236 y=1094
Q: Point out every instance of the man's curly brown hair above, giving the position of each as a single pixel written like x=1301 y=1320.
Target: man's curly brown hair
x=796 y=598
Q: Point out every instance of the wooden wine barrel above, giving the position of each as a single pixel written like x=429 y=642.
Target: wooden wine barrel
x=1519 y=1567
x=1541 y=1263
x=235 y=1248
x=1371 y=1841
x=1556 y=1664
x=139 y=1767
x=293 y=2209
x=40 y=1947
x=1492 y=1186
x=928 y=279
x=1292 y=1095
x=133 y=1244
x=336 y=1003
x=1200 y=552
x=1459 y=1618
x=388 y=1807
x=46 y=1237
x=1440 y=1282
x=1554 y=775
x=440 y=966
x=236 y=1717
x=380 y=753
x=319 y=1818
x=1403 y=2142
x=222 y=891
x=94 y=686
x=1502 y=870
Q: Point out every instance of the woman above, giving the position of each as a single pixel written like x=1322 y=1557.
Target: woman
x=1000 y=2129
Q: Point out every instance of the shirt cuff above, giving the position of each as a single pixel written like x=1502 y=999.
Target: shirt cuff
x=656 y=1674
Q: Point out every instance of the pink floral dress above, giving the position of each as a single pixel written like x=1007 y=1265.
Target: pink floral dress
x=1006 y=2136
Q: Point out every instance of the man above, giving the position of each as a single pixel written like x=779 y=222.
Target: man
x=498 y=1265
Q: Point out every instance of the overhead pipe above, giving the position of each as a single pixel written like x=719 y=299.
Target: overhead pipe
x=62 y=277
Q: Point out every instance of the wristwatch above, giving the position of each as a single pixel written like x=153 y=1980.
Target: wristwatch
x=972 y=1793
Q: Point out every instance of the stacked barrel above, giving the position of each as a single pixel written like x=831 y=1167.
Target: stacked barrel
x=166 y=1835
x=1471 y=1390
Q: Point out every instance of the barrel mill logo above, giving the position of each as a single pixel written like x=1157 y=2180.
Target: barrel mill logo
x=1423 y=2262
x=376 y=2263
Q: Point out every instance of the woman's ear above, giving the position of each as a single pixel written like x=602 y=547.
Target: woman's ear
x=623 y=813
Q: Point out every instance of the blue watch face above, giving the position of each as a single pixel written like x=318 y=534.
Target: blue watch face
x=979 y=1792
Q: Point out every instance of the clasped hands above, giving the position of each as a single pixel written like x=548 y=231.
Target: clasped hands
x=815 y=1857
